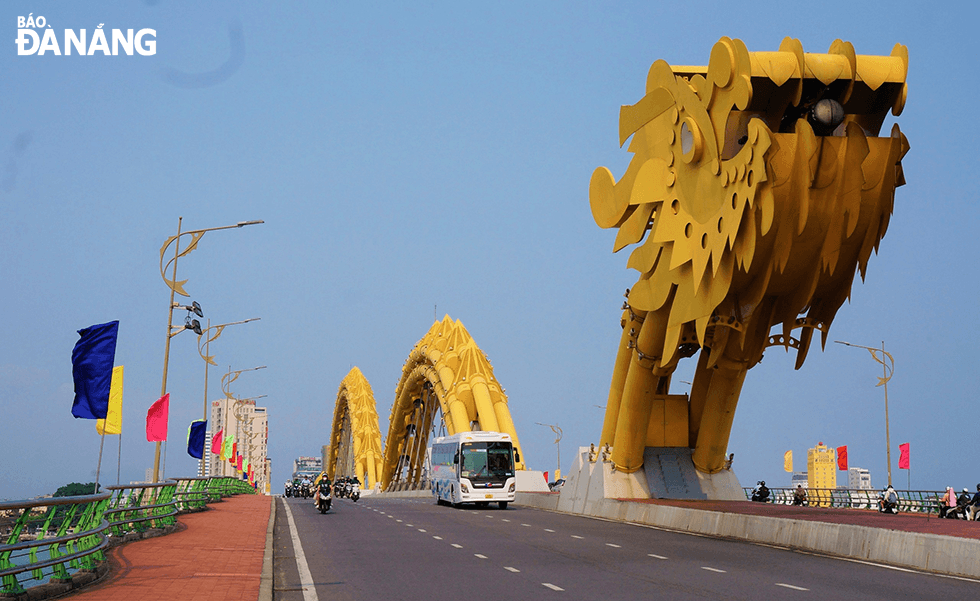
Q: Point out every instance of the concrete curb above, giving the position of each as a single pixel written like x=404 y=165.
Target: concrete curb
x=265 y=584
x=927 y=552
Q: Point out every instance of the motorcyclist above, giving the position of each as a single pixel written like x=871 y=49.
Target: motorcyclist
x=799 y=495
x=761 y=493
x=888 y=500
x=323 y=488
x=974 y=507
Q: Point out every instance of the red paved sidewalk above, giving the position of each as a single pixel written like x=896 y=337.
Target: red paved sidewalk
x=905 y=522
x=216 y=555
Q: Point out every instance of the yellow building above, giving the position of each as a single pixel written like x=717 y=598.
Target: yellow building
x=821 y=474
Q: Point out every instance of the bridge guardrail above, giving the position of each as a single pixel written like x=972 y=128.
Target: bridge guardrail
x=44 y=538
x=912 y=501
x=69 y=531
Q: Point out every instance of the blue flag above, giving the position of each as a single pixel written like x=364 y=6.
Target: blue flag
x=91 y=367
x=196 y=437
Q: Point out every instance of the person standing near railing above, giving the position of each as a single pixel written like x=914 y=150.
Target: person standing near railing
x=947 y=502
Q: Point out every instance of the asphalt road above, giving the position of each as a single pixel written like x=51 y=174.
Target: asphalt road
x=411 y=549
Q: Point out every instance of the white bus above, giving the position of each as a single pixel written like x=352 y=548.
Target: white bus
x=473 y=467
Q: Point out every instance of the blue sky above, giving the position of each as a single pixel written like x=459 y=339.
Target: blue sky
x=411 y=161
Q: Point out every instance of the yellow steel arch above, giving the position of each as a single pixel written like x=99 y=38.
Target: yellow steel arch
x=355 y=441
x=446 y=372
x=758 y=186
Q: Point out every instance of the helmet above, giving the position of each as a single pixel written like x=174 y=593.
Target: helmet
x=762 y=482
x=965 y=490
x=978 y=486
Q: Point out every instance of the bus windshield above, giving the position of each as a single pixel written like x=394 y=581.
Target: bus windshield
x=487 y=461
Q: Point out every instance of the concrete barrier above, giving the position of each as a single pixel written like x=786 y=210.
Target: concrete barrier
x=929 y=552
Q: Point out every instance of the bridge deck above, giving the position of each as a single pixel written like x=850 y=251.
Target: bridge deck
x=216 y=555
x=906 y=522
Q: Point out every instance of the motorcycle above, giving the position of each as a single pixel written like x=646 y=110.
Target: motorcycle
x=355 y=492
x=888 y=502
x=323 y=498
x=289 y=490
x=761 y=493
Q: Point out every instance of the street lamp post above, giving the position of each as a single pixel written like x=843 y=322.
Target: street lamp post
x=888 y=370
x=177 y=287
x=557 y=431
x=203 y=348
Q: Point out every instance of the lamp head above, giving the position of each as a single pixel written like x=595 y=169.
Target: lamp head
x=196 y=309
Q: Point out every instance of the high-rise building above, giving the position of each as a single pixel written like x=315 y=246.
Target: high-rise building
x=859 y=478
x=821 y=469
x=249 y=425
x=799 y=479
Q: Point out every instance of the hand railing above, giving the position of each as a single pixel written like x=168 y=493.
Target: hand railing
x=912 y=501
x=46 y=537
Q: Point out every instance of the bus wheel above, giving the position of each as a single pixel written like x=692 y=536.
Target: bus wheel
x=502 y=504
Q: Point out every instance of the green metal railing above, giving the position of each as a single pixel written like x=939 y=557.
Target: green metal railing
x=139 y=507
x=46 y=537
x=912 y=501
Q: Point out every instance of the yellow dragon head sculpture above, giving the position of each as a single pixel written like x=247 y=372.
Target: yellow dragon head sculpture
x=759 y=184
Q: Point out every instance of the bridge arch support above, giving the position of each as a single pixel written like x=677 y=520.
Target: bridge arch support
x=446 y=375
x=355 y=440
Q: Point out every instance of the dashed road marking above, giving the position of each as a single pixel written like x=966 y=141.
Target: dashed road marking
x=504 y=520
x=713 y=570
x=510 y=569
x=552 y=586
x=457 y=546
x=614 y=546
x=421 y=529
x=655 y=556
x=399 y=521
x=548 y=530
x=790 y=586
x=480 y=556
x=528 y=525
x=437 y=537
x=577 y=536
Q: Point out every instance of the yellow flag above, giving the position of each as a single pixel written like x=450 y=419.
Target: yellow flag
x=112 y=424
x=788 y=461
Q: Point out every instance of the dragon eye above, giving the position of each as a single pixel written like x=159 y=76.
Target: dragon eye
x=691 y=141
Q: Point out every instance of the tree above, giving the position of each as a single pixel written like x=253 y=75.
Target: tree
x=75 y=489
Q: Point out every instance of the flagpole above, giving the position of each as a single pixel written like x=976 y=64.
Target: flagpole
x=119 y=458
x=888 y=444
x=98 y=468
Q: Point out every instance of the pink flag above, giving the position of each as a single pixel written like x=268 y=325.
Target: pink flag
x=903 y=458
x=156 y=419
x=216 y=441
x=842 y=458
x=239 y=463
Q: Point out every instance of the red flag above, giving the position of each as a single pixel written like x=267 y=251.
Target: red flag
x=216 y=441
x=239 y=463
x=842 y=458
x=234 y=453
x=156 y=419
x=546 y=476
x=903 y=458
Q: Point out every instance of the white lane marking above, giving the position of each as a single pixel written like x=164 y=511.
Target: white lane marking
x=548 y=530
x=305 y=577
x=480 y=556
x=656 y=556
x=457 y=546
x=410 y=526
x=577 y=536
x=795 y=588
x=437 y=537
x=613 y=546
x=510 y=569
x=552 y=586
x=713 y=570
x=504 y=520
x=421 y=530
x=399 y=521
x=528 y=525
